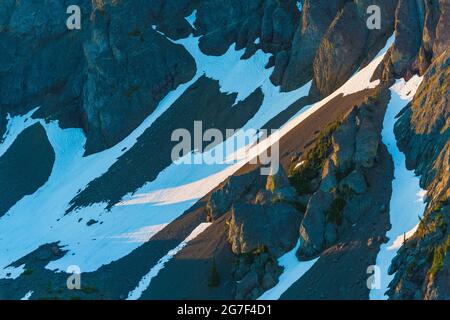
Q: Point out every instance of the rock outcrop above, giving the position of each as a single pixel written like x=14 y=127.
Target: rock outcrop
x=263 y=225
x=315 y=20
x=25 y=166
x=339 y=161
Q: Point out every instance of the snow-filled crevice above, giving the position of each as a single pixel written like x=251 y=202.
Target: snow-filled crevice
x=407 y=200
x=144 y=283
x=294 y=269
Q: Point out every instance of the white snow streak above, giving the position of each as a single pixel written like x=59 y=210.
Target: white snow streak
x=293 y=270
x=146 y=280
x=27 y=295
x=405 y=208
x=14 y=127
x=192 y=18
x=11 y=272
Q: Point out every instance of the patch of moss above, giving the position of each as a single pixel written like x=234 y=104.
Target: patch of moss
x=336 y=212
x=439 y=254
x=440 y=204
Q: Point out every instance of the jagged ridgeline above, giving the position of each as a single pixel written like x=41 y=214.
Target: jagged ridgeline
x=89 y=187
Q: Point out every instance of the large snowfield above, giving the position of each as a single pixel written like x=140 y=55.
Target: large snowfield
x=40 y=218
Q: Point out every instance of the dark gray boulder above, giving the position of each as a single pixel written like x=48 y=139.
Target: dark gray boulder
x=234 y=189
x=367 y=142
x=355 y=182
x=263 y=226
x=344 y=140
x=357 y=206
x=340 y=51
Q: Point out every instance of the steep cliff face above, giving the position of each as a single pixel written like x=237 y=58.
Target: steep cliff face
x=341 y=52
x=110 y=75
x=423 y=133
x=140 y=69
x=106 y=77
x=41 y=60
x=421 y=29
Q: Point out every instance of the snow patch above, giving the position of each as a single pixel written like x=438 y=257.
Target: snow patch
x=192 y=18
x=91 y=246
x=142 y=235
x=234 y=75
x=293 y=271
x=11 y=272
x=27 y=296
x=14 y=127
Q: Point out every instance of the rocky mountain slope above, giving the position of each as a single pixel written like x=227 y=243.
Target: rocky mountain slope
x=88 y=178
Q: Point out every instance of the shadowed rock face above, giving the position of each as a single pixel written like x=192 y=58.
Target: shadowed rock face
x=408 y=37
x=341 y=196
x=130 y=68
x=341 y=51
x=442 y=29
x=272 y=226
x=106 y=77
x=242 y=22
x=421 y=37
x=109 y=76
x=41 y=60
x=25 y=166
x=316 y=18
